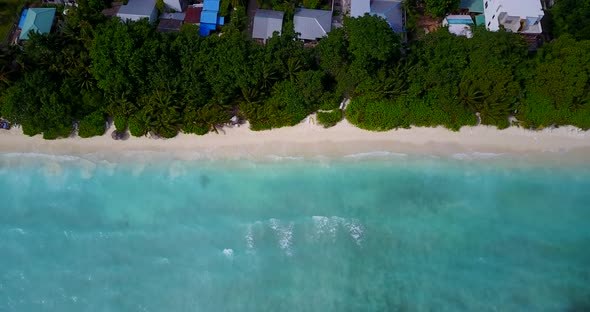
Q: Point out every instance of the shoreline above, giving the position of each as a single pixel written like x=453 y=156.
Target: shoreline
x=308 y=140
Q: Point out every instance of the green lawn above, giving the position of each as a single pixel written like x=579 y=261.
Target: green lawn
x=8 y=12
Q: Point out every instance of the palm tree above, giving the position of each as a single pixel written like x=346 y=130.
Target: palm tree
x=268 y=76
x=293 y=66
x=161 y=113
x=470 y=96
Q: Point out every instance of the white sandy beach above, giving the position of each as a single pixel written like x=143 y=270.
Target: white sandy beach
x=310 y=140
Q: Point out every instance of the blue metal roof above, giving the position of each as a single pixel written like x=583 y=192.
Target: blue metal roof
x=209 y=17
x=206 y=29
x=23 y=16
x=211 y=5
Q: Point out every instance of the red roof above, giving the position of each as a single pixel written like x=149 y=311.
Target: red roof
x=193 y=15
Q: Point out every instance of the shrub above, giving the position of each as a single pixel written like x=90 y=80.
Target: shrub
x=193 y=128
x=120 y=123
x=92 y=125
x=581 y=118
x=376 y=115
x=56 y=133
x=136 y=127
x=329 y=119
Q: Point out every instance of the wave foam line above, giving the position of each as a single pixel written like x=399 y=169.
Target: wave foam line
x=376 y=154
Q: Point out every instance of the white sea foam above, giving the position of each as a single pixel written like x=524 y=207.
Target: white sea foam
x=460 y=156
x=280 y=158
x=476 y=155
x=229 y=253
x=250 y=238
x=376 y=154
x=325 y=226
x=18 y=230
x=41 y=155
x=284 y=234
x=328 y=226
x=487 y=155
x=355 y=229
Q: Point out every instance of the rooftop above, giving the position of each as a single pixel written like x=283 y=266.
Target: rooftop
x=266 y=22
x=521 y=8
x=475 y=6
x=358 y=8
x=312 y=24
x=390 y=10
x=209 y=17
x=175 y=16
x=168 y=24
x=459 y=25
x=459 y=19
x=193 y=15
x=138 y=7
x=38 y=20
x=211 y=5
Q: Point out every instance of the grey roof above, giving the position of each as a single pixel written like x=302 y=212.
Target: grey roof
x=266 y=22
x=175 y=16
x=312 y=24
x=358 y=8
x=138 y=7
x=391 y=11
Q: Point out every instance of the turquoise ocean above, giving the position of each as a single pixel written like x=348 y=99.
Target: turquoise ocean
x=384 y=233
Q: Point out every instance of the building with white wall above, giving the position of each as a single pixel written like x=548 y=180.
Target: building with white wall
x=520 y=16
x=459 y=25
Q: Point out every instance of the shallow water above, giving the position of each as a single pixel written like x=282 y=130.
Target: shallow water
x=392 y=234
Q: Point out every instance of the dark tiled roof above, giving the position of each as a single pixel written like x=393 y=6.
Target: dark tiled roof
x=169 y=25
x=193 y=15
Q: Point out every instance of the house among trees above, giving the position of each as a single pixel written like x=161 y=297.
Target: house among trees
x=171 y=22
x=522 y=16
x=471 y=6
x=266 y=22
x=475 y=9
x=459 y=25
x=210 y=17
x=135 y=10
x=390 y=10
x=174 y=5
x=312 y=24
x=37 y=20
x=193 y=15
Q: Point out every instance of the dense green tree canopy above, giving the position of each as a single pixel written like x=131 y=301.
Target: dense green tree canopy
x=91 y=69
x=558 y=87
x=571 y=17
x=439 y=8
